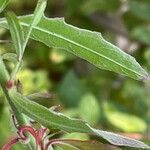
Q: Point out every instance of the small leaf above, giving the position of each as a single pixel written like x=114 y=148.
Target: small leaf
x=89 y=101
x=38 y=14
x=3 y=4
x=70 y=90
x=39 y=11
x=58 y=121
x=16 y=33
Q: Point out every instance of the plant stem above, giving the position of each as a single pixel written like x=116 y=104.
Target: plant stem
x=19 y=117
x=38 y=13
x=4 y=78
x=18 y=65
x=16 y=70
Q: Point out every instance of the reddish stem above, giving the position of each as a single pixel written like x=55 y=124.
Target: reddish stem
x=37 y=134
x=10 y=143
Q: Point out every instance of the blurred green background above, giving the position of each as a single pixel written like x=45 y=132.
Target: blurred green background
x=104 y=99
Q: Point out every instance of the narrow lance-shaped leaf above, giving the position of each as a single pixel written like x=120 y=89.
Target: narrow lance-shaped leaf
x=39 y=11
x=86 y=44
x=38 y=14
x=16 y=33
x=58 y=121
x=55 y=120
x=3 y=4
x=83 y=145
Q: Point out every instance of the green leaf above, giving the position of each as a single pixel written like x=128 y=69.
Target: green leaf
x=70 y=90
x=140 y=9
x=76 y=136
x=123 y=120
x=38 y=13
x=89 y=101
x=84 y=145
x=142 y=33
x=64 y=146
x=3 y=4
x=120 y=140
x=92 y=6
x=50 y=119
x=55 y=120
x=16 y=33
x=85 y=44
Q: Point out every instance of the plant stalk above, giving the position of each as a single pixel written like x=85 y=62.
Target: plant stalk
x=4 y=78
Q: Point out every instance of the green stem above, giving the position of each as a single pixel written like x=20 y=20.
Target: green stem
x=19 y=117
x=4 y=78
x=17 y=114
x=38 y=13
x=18 y=65
x=16 y=70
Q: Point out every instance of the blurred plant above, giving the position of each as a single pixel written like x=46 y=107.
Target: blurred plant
x=85 y=44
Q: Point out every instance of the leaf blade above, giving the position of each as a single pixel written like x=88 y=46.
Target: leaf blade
x=55 y=120
x=39 y=110
x=16 y=33
x=119 y=140
x=86 y=145
x=86 y=44
x=38 y=13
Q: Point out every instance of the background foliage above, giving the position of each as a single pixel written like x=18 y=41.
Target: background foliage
x=104 y=99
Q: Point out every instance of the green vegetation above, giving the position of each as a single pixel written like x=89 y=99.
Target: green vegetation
x=64 y=80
